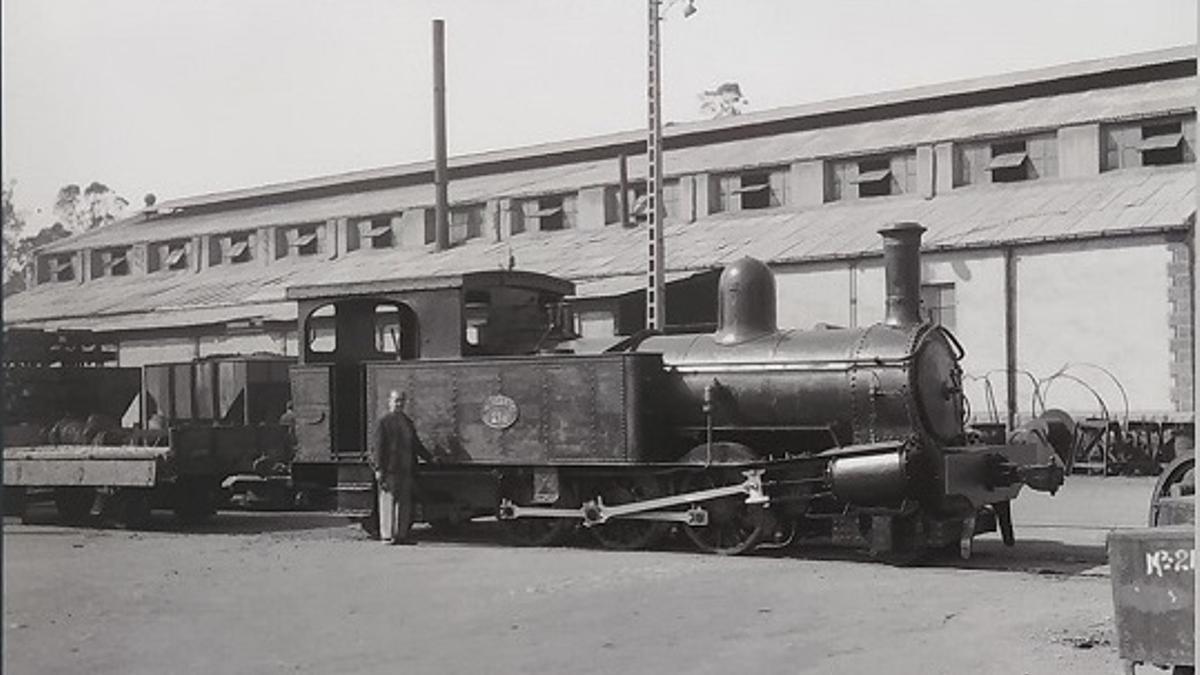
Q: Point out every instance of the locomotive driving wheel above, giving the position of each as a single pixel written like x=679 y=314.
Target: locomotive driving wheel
x=734 y=527
x=537 y=531
x=623 y=534
x=541 y=531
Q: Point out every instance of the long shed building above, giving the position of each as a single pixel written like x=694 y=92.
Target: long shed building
x=1059 y=204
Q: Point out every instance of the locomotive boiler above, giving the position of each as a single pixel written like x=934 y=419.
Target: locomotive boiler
x=748 y=435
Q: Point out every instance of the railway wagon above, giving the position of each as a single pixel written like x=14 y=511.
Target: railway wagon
x=190 y=425
x=745 y=435
x=1154 y=577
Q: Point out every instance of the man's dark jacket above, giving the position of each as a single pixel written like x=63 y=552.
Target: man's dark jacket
x=396 y=447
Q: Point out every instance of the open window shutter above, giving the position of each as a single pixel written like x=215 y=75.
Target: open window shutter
x=1008 y=161
x=176 y=257
x=1161 y=142
x=237 y=250
x=870 y=176
x=750 y=189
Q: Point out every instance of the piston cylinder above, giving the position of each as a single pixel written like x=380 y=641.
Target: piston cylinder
x=869 y=480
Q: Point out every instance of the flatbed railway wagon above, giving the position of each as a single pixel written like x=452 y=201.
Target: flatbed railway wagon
x=192 y=424
x=745 y=435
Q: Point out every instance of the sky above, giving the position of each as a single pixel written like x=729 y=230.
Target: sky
x=188 y=97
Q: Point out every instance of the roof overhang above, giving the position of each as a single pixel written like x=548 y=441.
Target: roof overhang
x=470 y=280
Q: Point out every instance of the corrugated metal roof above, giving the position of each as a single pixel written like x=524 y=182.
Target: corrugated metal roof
x=610 y=286
x=1104 y=66
x=179 y=318
x=1041 y=113
x=1115 y=203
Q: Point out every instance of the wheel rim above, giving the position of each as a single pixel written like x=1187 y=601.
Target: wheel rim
x=1171 y=484
x=542 y=531
x=74 y=503
x=624 y=534
x=734 y=527
x=137 y=510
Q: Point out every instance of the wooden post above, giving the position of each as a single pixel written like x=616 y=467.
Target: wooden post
x=1010 y=335
x=623 y=195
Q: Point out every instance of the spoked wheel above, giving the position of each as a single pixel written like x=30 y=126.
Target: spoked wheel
x=194 y=502
x=1174 y=493
x=74 y=503
x=734 y=527
x=537 y=531
x=542 y=531
x=623 y=534
x=135 y=509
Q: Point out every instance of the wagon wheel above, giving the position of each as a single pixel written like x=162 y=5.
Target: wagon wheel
x=74 y=503
x=542 y=531
x=625 y=534
x=734 y=527
x=1177 y=483
x=135 y=509
x=194 y=502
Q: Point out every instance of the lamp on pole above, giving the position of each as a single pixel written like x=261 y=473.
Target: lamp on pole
x=656 y=305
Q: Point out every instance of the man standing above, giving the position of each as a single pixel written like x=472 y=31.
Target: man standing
x=396 y=443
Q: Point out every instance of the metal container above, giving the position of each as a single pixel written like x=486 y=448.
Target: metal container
x=528 y=410
x=1154 y=583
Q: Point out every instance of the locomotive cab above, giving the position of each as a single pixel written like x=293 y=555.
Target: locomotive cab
x=345 y=326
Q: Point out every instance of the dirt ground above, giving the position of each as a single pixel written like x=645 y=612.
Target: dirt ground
x=283 y=593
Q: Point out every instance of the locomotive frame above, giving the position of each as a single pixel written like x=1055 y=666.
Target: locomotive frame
x=747 y=435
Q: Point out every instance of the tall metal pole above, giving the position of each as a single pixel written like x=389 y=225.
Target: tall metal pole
x=656 y=305
x=439 y=136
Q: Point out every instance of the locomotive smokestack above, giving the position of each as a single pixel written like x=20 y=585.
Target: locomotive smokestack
x=902 y=270
x=745 y=302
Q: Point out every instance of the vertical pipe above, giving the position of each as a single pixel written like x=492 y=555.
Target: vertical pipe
x=656 y=305
x=439 y=135
x=853 y=270
x=623 y=170
x=902 y=273
x=1010 y=336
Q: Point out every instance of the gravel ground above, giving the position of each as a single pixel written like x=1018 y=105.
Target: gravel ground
x=274 y=593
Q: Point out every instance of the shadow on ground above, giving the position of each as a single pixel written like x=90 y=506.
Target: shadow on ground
x=224 y=522
x=1036 y=556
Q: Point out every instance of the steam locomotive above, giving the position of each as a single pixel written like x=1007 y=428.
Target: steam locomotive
x=748 y=436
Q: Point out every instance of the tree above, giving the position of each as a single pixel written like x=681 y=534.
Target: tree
x=724 y=101
x=88 y=208
x=14 y=224
x=77 y=209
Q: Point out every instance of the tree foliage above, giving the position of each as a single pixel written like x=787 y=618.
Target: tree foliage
x=14 y=224
x=82 y=209
x=724 y=101
x=77 y=209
